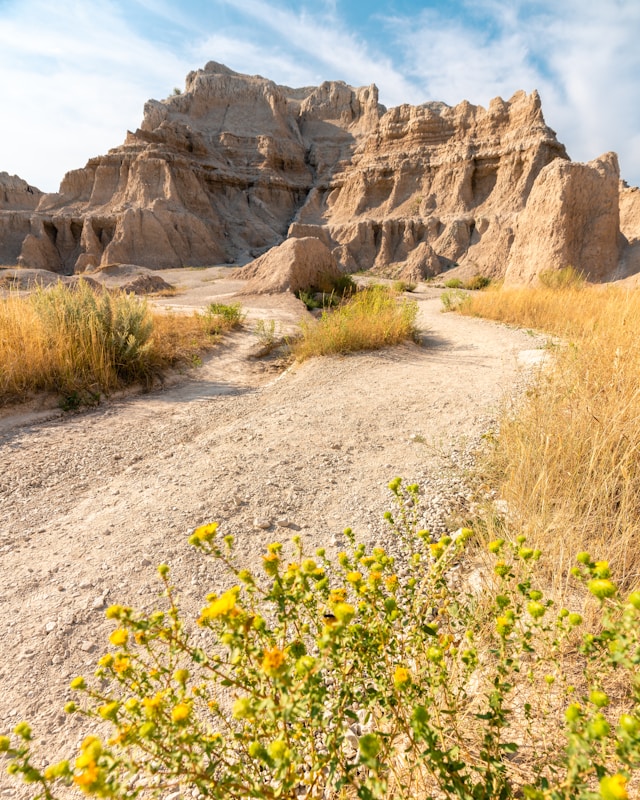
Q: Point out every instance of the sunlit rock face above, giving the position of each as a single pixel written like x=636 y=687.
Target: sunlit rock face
x=236 y=164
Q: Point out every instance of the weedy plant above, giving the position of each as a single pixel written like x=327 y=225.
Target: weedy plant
x=403 y=286
x=265 y=330
x=220 y=317
x=80 y=343
x=453 y=299
x=374 y=674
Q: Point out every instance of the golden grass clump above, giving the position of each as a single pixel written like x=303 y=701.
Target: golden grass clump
x=78 y=343
x=372 y=318
x=568 y=461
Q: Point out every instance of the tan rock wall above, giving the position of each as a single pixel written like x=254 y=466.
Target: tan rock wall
x=236 y=164
x=572 y=218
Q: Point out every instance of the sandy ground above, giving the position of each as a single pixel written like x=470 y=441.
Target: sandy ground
x=90 y=503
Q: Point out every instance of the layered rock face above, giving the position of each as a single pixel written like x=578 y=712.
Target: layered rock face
x=572 y=218
x=432 y=186
x=18 y=200
x=237 y=164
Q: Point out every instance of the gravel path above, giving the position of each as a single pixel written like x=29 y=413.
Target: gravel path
x=91 y=503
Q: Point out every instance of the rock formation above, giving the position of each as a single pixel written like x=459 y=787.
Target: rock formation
x=293 y=265
x=236 y=164
x=18 y=201
x=571 y=218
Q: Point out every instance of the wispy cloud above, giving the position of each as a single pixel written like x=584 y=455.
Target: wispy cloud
x=323 y=40
x=78 y=88
x=581 y=56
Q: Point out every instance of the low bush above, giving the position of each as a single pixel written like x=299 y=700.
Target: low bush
x=403 y=286
x=219 y=317
x=377 y=674
x=453 y=299
x=370 y=319
x=477 y=282
x=78 y=343
x=454 y=283
x=473 y=284
x=328 y=292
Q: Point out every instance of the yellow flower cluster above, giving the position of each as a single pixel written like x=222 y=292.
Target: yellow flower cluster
x=180 y=713
x=272 y=661
x=222 y=606
x=119 y=637
x=88 y=777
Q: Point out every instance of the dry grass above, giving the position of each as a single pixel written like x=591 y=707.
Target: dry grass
x=371 y=319
x=568 y=463
x=79 y=344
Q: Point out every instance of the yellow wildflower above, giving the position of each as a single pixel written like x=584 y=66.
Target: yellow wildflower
x=89 y=778
x=271 y=562
x=272 y=660
x=153 y=705
x=614 y=787
x=121 y=663
x=344 y=612
x=203 y=534
x=401 y=677
x=119 y=637
x=337 y=595
x=391 y=582
x=220 y=606
x=354 y=577
x=180 y=713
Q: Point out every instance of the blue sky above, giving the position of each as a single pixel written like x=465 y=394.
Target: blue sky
x=74 y=74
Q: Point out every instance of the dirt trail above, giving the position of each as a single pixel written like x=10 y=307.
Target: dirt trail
x=91 y=503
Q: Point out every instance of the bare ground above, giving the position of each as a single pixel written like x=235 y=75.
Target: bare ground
x=90 y=503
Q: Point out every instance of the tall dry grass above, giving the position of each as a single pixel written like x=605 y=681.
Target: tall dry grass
x=568 y=462
x=370 y=319
x=79 y=344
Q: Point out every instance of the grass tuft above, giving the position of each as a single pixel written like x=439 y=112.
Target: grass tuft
x=568 y=462
x=373 y=318
x=79 y=344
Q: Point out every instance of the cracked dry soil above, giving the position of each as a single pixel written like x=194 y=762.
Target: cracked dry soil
x=91 y=502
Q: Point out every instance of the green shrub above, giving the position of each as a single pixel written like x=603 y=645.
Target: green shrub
x=403 y=286
x=477 y=282
x=220 y=317
x=265 y=330
x=376 y=674
x=80 y=343
x=453 y=283
x=332 y=289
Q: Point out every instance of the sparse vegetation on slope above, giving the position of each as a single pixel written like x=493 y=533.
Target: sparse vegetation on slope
x=372 y=318
x=568 y=462
x=79 y=344
x=366 y=675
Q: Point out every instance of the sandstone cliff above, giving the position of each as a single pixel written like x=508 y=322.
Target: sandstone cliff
x=18 y=200
x=236 y=164
x=572 y=218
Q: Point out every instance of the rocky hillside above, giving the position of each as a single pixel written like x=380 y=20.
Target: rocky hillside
x=236 y=164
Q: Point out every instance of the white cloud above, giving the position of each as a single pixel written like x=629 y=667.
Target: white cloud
x=83 y=79
x=74 y=75
x=581 y=56
x=324 y=41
